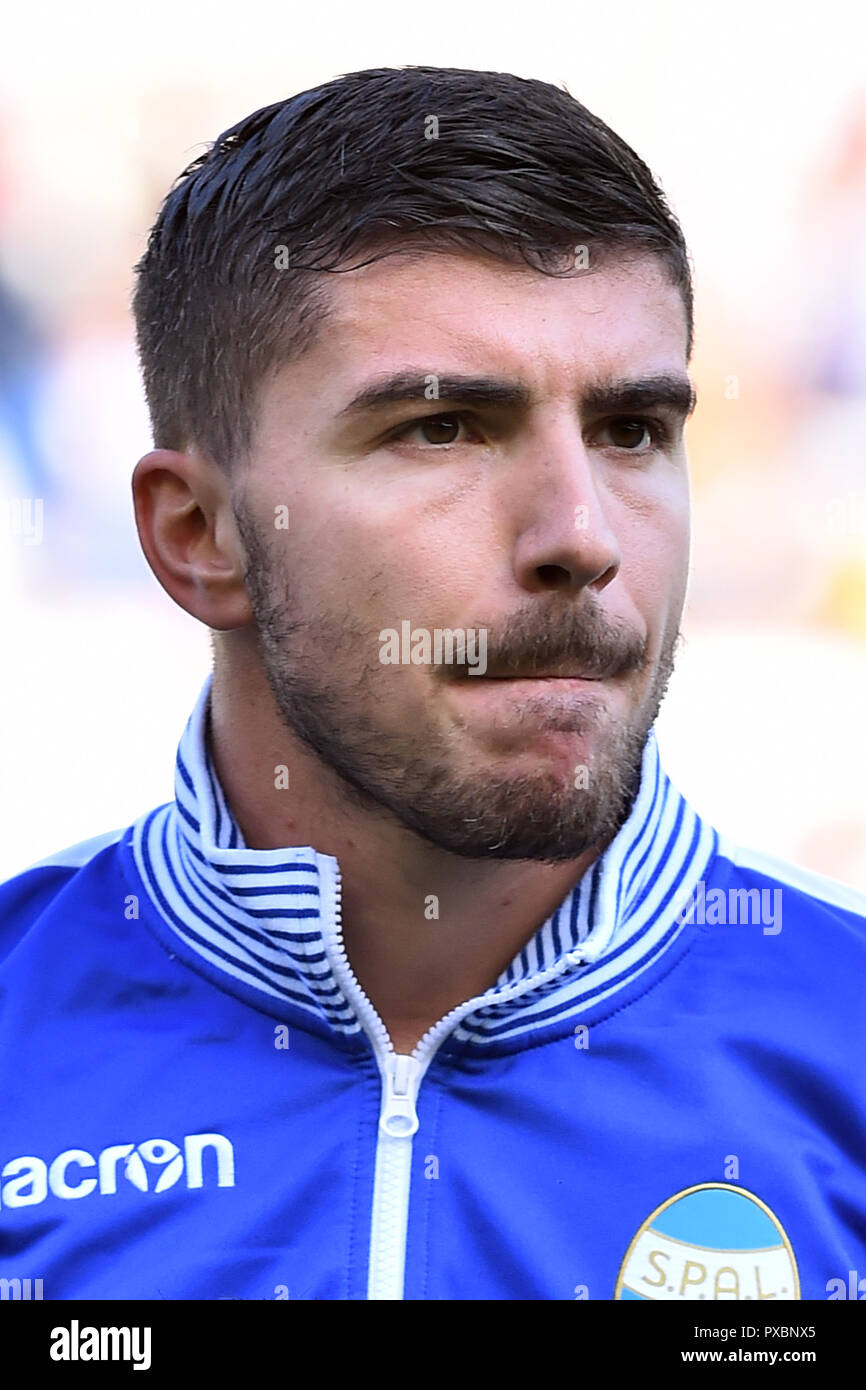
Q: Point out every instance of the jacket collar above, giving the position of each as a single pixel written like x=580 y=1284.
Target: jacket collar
x=264 y=924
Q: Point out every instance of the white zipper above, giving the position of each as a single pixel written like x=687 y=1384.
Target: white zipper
x=402 y=1075
x=398 y=1121
x=398 y=1117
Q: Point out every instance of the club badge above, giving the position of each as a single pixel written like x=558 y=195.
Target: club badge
x=713 y=1241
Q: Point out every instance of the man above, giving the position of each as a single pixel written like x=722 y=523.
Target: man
x=429 y=984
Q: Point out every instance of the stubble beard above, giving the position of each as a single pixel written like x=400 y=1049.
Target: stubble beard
x=336 y=703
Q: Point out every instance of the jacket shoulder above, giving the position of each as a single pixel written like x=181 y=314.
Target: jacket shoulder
x=821 y=920
x=818 y=889
x=26 y=896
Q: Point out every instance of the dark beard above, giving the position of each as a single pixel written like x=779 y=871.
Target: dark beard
x=406 y=772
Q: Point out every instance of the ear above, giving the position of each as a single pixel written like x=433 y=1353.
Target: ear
x=188 y=533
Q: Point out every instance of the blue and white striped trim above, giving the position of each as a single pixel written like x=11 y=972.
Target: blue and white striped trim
x=263 y=917
x=624 y=913
x=255 y=915
x=634 y=945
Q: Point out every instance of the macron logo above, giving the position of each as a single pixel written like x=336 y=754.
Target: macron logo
x=153 y=1166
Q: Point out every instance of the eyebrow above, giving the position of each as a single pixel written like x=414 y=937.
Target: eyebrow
x=667 y=389
x=602 y=397
x=411 y=386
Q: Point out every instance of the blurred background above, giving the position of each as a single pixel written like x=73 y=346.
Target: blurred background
x=753 y=116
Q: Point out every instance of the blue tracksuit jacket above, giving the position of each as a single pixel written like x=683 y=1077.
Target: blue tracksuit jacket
x=662 y=1097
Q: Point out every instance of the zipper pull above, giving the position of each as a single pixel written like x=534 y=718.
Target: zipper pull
x=400 y=1079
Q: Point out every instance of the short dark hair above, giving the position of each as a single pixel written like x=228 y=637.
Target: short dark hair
x=371 y=162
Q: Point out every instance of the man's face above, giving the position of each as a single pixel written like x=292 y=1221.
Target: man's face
x=541 y=505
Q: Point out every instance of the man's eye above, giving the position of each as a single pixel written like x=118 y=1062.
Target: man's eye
x=634 y=435
x=434 y=429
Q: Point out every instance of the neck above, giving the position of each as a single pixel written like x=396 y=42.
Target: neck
x=424 y=928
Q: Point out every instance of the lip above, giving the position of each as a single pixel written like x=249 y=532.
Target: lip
x=568 y=679
x=547 y=707
x=537 y=685
x=549 y=689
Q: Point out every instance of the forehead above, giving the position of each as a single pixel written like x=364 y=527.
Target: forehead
x=625 y=315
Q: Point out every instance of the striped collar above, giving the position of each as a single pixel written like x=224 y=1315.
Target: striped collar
x=265 y=924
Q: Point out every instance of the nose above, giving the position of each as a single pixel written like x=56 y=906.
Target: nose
x=563 y=537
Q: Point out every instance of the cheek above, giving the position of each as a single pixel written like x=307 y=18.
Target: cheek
x=654 y=540
x=375 y=565
x=397 y=551
x=678 y=542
